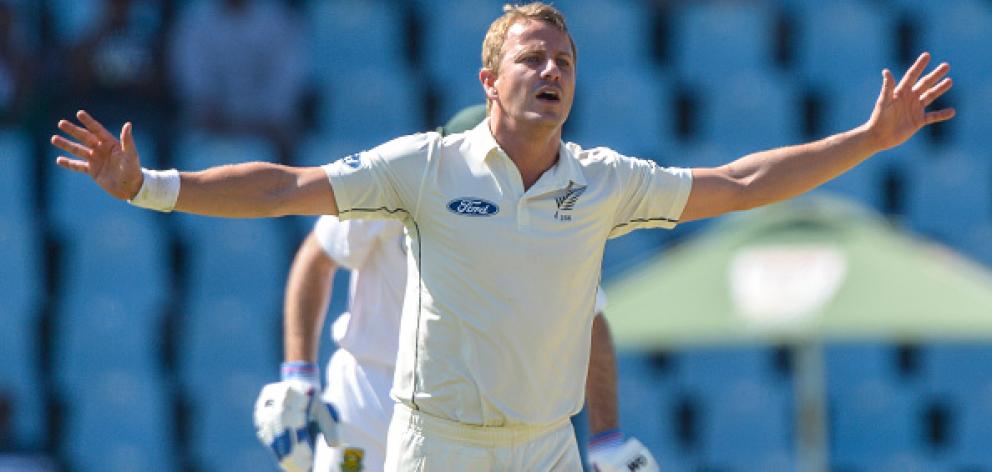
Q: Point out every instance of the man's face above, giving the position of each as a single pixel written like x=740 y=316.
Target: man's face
x=536 y=79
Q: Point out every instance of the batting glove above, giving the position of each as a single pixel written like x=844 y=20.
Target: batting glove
x=610 y=452
x=289 y=414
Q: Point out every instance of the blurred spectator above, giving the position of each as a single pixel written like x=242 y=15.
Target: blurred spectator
x=17 y=68
x=119 y=62
x=116 y=66
x=240 y=66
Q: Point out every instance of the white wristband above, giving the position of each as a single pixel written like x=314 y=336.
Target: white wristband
x=159 y=190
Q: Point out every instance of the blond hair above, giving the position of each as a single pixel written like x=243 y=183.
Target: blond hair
x=492 y=45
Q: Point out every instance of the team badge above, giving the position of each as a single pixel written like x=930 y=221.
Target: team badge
x=567 y=201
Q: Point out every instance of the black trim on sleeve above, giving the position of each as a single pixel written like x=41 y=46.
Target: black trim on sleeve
x=646 y=220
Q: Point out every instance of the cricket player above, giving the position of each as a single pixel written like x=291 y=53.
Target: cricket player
x=360 y=372
x=507 y=227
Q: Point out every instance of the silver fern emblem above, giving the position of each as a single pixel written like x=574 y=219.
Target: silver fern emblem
x=566 y=202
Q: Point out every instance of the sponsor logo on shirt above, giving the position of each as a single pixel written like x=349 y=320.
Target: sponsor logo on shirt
x=353 y=161
x=567 y=201
x=470 y=206
x=351 y=460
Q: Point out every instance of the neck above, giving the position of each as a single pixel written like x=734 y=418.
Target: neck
x=532 y=148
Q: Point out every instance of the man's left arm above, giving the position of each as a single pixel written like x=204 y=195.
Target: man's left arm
x=609 y=450
x=778 y=174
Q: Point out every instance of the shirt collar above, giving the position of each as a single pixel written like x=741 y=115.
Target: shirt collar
x=482 y=144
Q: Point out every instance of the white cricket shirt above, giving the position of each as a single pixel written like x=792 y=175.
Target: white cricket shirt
x=375 y=252
x=498 y=312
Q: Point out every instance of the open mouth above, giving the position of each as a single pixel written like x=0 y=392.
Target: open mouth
x=549 y=95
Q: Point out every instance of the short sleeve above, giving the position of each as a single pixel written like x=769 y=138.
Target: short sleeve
x=382 y=182
x=651 y=196
x=600 y=300
x=349 y=243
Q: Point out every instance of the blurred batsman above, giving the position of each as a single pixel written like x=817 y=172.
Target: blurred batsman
x=360 y=371
x=508 y=226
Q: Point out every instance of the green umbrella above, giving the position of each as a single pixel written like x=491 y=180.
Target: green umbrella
x=799 y=273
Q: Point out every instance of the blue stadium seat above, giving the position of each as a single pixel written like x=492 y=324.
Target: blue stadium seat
x=341 y=36
x=247 y=258
x=370 y=106
x=125 y=253
x=950 y=196
x=198 y=150
x=970 y=127
x=713 y=368
x=846 y=41
x=750 y=112
x=221 y=431
x=627 y=109
x=713 y=40
x=16 y=177
x=21 y=268
x=20 y=381
x=227 y=334
x=453 y=35
x=853 y=363
x=646 y=404
x=120 y=421
x=103 y=331
x=747 y=421
x=957 y=369
x=872 y=420
x=955 y=33
x=610 y=34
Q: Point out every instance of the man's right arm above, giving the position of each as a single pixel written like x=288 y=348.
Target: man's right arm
x=253 y=189
x=308 y=294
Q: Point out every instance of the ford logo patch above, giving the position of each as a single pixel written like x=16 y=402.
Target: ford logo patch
x=472 y=207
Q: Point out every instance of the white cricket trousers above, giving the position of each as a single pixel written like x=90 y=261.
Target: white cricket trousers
x=360 y=393
x=420 y=442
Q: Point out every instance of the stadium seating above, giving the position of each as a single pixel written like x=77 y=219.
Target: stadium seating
x=222 y=435
x=618 y=35
x=371 y=106
x=121 y=421
x=713 y=40
x=103 y=331
x=749 y=112
x=227 y=334
x=841 y=42
x=16 y=177
x=627 y=109
x=872 y=420
x=955 y=33
x=125 y=253
x=341 y=37
x=952 y=194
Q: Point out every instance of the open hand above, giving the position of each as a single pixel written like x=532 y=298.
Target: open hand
x=113 y=164
x=901 y=108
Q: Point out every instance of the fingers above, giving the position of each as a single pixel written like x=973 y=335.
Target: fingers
x=73 y=164
x=935 y=75
x=914 y=72
x=127 y=139
x=71 y=147
x=938 y=116
x=94 y=126
x=80 y=134
x=888 y=84
x=935 y=92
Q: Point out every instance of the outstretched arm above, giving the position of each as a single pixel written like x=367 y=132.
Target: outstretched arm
x=308 y=294
x=253 y=189
x=775 y=175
